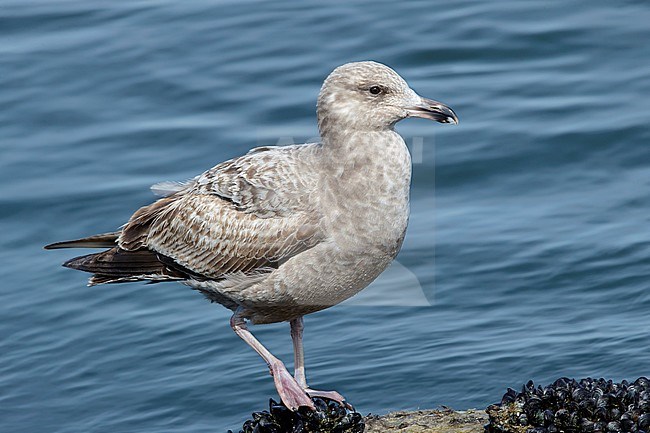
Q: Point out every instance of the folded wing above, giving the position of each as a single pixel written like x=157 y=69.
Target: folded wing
x=245 y=215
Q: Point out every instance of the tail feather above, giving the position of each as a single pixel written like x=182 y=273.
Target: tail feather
x=104 y=240
x=117 y=262
x=118 y=265
x=98 y=279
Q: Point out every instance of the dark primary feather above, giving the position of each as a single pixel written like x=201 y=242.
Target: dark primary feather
x=104 y=240
x=118 y=265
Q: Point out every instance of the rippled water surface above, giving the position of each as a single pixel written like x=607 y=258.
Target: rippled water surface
x=528 y=242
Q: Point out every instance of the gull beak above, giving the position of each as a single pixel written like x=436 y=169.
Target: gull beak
x=433 y=110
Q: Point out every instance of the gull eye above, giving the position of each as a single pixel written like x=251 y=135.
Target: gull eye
x=375 y=90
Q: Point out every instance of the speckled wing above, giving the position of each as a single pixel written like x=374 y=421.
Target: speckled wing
x=270 y=182
x=245 y=214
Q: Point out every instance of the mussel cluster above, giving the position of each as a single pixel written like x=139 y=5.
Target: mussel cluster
x=329 y=417
x=567 y=405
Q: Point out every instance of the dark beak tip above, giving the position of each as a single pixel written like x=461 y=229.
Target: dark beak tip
x=434 y=110
x=449 y=115
x=451 y=119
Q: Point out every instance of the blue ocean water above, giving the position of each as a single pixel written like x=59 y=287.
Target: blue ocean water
x=528 y=239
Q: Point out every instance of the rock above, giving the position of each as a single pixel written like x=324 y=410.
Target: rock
x=567 y=405
x=428 y=421
x=331 y=417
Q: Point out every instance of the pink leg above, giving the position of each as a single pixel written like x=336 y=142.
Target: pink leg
x=297 y=327
x=292 y=394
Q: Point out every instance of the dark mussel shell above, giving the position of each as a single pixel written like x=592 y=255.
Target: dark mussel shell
x=329 y=417
x=574 y=406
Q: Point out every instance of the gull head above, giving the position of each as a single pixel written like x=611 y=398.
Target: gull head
x=371 y=96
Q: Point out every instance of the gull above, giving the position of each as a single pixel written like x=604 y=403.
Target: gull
x=283 y=231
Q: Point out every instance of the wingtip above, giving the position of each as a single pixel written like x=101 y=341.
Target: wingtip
x=56 y=245
x=104 y=240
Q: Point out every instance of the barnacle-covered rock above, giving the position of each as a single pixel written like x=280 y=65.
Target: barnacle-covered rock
x=329 y=417
x=443 y=420
x=570 y=406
